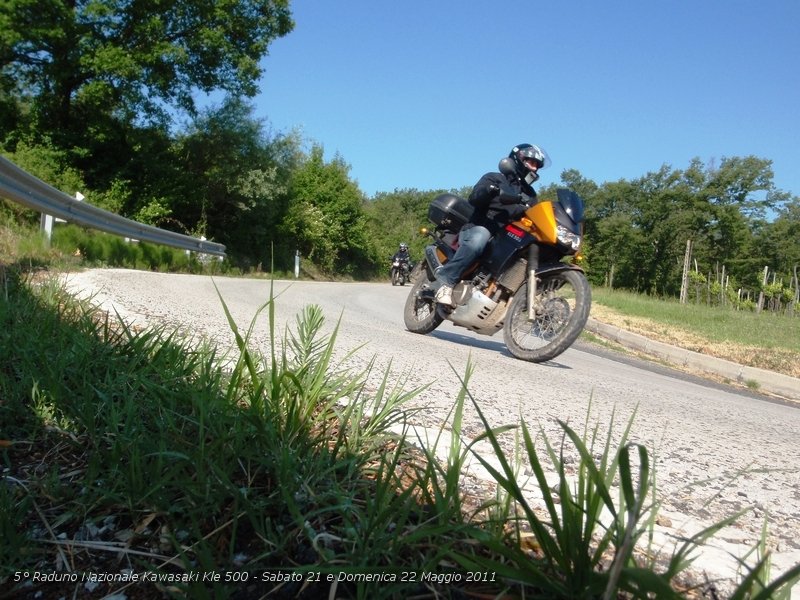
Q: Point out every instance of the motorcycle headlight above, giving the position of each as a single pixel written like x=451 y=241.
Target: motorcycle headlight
x=567 y=238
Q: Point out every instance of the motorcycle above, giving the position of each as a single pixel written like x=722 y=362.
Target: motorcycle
x=401 y=272
x=521 y=284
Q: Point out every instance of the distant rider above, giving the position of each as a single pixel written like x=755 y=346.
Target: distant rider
x=402 y=254
x=498 y=199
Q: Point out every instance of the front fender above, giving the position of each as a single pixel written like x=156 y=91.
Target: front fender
x=558 y=268
x=543 y=272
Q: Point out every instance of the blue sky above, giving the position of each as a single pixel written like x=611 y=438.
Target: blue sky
x=431 y=94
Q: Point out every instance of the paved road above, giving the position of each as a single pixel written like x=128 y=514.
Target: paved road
x=716 y=449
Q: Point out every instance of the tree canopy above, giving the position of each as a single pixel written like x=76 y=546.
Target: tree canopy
x=104 y=79
x=325 y=215
x=131 y=60
x=637 y=230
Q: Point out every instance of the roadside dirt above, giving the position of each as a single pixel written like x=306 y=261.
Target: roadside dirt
x=771 y=359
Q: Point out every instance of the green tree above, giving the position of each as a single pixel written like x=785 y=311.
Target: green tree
x=48 y=164
x=132 y=59
x=103 y=79
x=234 y=185
x=395 y=217
x=718 y=208
x=611 y=236
x=631 y=227
x=326 y=218
x=743 y=182
x=572 y=179
x=736 y=196
x=778 y=242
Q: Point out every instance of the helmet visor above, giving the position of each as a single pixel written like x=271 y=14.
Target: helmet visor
x=533 y=163
x=534 y=157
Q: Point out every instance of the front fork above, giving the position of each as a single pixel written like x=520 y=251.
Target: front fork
x=533 y=264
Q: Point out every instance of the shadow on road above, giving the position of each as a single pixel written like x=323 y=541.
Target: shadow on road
x=487 y=344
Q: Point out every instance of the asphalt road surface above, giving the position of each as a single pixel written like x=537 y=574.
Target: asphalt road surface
x=715 y=449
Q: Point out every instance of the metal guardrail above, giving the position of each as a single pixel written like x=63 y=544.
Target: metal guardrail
x=25 y=189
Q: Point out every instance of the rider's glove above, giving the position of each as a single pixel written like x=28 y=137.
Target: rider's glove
x=507 y=195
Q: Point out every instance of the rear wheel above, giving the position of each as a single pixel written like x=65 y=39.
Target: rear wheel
x=420 y=313
x=565 y=299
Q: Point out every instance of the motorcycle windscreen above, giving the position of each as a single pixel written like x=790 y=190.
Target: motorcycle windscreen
x=569 y=209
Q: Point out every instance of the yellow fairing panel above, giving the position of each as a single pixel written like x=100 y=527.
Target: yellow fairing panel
x=544 y=221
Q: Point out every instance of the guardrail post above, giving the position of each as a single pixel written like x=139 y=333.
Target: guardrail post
x=46 y=223
x=296 y=264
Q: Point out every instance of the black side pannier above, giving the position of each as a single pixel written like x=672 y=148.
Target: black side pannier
x=449 y=212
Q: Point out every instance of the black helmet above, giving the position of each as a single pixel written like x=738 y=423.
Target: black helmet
x=528 y=161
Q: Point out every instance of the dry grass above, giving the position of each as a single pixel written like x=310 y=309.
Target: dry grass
x=779 y=360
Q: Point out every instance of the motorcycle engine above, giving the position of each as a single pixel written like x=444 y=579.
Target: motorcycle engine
x=476 y=311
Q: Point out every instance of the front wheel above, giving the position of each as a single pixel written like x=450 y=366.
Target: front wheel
x=420 y=314
x=395 y=276
x=564 y=299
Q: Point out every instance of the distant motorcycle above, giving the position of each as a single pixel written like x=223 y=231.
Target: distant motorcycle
x=401 y=271
x=521 y=284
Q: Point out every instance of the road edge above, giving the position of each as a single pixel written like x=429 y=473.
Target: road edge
x=767 y=381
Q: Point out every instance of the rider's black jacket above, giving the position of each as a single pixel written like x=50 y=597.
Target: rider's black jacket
x=402 y=256
x=494 y=210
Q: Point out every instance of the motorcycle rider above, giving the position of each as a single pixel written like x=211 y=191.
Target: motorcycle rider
x=498 y=199
x=404 y=260
x=402 y=254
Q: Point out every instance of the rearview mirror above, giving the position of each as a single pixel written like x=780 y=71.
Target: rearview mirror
x=506 y=166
